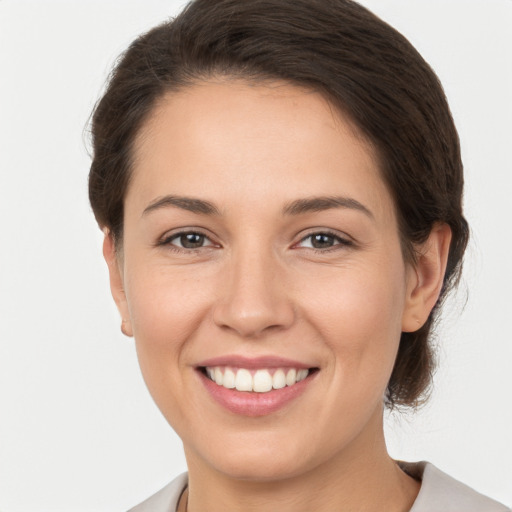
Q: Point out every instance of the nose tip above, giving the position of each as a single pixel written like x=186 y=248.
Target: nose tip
x=254 y=301
x=251 y=321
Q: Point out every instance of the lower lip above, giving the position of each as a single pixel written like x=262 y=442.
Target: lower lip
x=248 y=403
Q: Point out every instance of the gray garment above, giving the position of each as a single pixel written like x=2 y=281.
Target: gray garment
x=439 y=493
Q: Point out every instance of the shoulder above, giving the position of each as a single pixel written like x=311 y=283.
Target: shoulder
x=441 y=493
x=166 y=499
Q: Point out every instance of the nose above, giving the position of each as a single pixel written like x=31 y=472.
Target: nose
x=254 y=298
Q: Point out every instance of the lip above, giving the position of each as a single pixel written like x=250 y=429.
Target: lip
x=252 y=363
x=254 y=404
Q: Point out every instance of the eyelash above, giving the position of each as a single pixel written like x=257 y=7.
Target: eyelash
x=167 y=241
x=338 y=241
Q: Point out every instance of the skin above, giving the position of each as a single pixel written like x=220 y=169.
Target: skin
x=259 y=287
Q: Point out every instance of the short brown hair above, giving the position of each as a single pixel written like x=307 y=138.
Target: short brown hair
x=363 y=67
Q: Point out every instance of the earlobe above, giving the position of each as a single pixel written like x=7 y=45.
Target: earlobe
x=426 y=278
x=116 y=281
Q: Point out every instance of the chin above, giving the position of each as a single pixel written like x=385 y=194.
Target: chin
x=261 y=457
x=260 y=469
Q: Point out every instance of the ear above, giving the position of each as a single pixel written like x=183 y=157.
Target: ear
x=116 y=281
x=425 y=278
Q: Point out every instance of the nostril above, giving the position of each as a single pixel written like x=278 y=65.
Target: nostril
x=253 y=305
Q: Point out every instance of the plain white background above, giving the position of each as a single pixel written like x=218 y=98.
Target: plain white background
x=78 y=430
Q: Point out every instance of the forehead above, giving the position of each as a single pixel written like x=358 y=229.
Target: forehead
x=275 y=139
x=261 y=108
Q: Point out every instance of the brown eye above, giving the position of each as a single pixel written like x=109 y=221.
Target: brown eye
x=323 y=241
x=192 y=240
x=189 y=240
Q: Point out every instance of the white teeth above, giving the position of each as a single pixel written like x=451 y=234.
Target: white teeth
x=243 y=380
x=301 y=375
x=262 y=381
x=229 y=379
x=291 y=377
x=279 y=380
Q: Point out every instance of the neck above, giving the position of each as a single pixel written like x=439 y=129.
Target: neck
x=360 y=477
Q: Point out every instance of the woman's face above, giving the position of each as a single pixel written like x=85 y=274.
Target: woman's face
x=259 y=241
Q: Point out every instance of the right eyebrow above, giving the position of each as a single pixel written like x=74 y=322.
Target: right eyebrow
x=191 y=204
x=322 y=203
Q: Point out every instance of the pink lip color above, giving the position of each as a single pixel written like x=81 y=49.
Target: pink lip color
x=253 y=362
x=251 y=403
x=254 y=404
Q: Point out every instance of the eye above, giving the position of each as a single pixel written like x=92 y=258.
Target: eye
x=323 y=240
x=188 y=240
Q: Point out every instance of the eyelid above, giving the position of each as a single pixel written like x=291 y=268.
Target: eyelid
x=342 y=239
x=178 y=236
x=169 y=236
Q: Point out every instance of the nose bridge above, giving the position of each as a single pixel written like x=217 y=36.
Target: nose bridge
x=254 y=297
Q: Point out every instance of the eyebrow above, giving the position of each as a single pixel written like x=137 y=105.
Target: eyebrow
x=318 y=204
x=190 y=204
x=297 y=207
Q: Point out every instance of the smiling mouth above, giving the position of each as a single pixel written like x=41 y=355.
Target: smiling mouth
x=261 y=380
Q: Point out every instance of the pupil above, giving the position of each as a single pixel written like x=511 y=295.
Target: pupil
x=321 y=241
x=192 y=240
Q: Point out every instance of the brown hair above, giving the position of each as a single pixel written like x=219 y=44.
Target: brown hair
x=364 y=67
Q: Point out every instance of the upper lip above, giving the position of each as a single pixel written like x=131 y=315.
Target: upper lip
x=253 y=362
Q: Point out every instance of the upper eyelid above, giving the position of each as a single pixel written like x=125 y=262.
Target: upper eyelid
x=171 y=235
x=185 y=230
x=326 y=231
x=177 y=236
x=339 y=240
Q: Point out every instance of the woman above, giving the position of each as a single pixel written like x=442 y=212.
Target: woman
x=280 y=187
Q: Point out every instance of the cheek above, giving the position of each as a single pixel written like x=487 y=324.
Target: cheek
x=359 y=313
x=163 y=301
x=166 y=308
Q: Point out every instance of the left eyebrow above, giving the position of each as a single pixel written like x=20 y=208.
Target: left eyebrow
x=318 y=204
x=190 y=204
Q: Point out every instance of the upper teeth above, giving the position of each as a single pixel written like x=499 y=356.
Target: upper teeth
x=259 y=381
